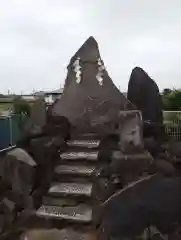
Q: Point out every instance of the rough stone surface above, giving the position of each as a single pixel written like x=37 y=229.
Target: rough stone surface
x=7 y=214
x=132 y=164
x=57 y=126
x=152 y=145
x=151 y=201
x=174 y=149
x=45 y=153
x=20 y=171
x=143 y=92
x=33 y=127
x=87 y=101
x=129 y=168
x=45 y=148
x=165 y=168
x=37 y=117
x=38 y=112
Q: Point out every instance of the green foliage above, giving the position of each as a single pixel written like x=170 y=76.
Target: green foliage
x=171 y=100
x=166 y=91
x=20 y=106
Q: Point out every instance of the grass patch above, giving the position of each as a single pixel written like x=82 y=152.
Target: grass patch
x=6 y=106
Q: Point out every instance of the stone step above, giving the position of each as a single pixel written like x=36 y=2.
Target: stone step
x=71 y=189
x=84 y=136
x=80 y=213
x=74 y=170
x=56 y=234
x=72 y=155
x=84 y=143
x=58 y=201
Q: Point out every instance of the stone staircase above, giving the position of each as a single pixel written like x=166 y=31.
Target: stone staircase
x=90 y=170
x=83 y=179
x=79 y=184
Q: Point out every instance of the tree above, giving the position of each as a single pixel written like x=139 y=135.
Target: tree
x=166 y=91
x=20 y=106
x=172 y=100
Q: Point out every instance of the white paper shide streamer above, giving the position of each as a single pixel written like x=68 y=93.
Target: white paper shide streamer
x=78 y=72
x=100 y=73
x=77 y=69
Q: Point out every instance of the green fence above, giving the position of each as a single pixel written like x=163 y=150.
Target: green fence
x=10 y=130
x=172 y=122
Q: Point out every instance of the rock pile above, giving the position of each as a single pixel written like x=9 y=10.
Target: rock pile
x=79 y=166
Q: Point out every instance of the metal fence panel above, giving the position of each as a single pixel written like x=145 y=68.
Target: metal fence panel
x=10 y=130
x=5 y=138
x=172 y=121
x=172 y=117
x=16 y=128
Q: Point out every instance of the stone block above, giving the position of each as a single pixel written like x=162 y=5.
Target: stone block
x=130 y=132
x=20 y=170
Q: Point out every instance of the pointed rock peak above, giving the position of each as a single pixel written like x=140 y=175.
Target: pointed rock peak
x=88 y=52
x=89 y=43
x=91 y=39
x=90 y=98
x=139 y=71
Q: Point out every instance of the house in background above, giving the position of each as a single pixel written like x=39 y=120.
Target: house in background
x=50 y=97
x=29 y=98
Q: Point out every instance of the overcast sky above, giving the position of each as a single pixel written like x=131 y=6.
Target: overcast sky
x=38 y=37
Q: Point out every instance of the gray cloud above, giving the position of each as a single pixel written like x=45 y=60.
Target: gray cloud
x=38 y=37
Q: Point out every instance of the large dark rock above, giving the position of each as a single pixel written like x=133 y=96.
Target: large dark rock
x=45 y=149
x=32 y=128
x=151 y=201
x=20 y=171
x=7 y=214
x=90 y=98
x=165 y=168
x=45 y=152
x=37 y=118
x=57 y=126
x=131 y=167
x=143 y=92
x=38 y=112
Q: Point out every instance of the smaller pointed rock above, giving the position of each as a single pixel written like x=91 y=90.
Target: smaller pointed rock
x=143 y=92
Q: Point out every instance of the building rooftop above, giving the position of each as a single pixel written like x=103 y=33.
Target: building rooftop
x=57 y=91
